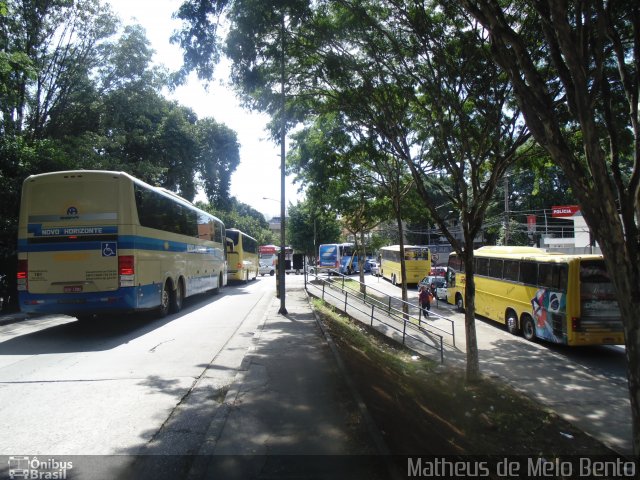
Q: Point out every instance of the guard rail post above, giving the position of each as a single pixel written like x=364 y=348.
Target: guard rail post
x=404 y=331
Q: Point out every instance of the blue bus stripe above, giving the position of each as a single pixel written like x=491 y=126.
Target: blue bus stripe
x=124 y=242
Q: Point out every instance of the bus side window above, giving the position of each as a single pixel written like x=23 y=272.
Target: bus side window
x=545 y=275
x=511 y=270
x=529 y=273
x=482 y=266
x=495 y=268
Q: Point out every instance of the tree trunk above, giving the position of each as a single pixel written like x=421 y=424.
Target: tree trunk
x=473 y=359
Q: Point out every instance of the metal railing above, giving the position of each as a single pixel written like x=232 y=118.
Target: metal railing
x=384 y=312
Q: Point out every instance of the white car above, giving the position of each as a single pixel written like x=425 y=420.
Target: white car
x=267 y=270
x=441 y=286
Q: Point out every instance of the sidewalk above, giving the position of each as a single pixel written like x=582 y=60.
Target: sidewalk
x=291 y=410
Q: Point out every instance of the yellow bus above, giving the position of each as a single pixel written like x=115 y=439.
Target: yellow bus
x=565 y=299
x=93 y=242
x=417 y=263
x=242 y=255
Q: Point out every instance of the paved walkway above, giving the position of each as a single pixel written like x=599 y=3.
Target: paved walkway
x=291 y=411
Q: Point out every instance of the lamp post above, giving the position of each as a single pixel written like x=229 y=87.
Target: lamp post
x=283 y=128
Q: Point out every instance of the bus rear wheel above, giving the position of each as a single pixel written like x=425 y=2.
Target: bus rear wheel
x=177 y=298
x=528 y=329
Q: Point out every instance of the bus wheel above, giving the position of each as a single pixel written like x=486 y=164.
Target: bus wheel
x=175 y=305
x=512 y=323
x=460 y=303
x=528 y=329
x=165 y=298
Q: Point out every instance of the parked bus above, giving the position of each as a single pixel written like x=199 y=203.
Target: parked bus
x=268 y=259
x=565 y=299
x=242 y=256
x=417 y=263
x=93 y=242
x=330 y=256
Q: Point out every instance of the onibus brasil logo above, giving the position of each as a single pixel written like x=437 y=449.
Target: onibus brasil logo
x=33 y=467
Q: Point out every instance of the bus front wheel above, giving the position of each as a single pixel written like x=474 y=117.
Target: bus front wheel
x=528 y=329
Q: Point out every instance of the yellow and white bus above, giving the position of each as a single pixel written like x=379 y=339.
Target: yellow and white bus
x=242 y=255
x=417 y=263
x=93 y=242
x=565 y=299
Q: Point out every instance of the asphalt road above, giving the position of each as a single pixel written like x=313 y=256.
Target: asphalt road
x=68 y=388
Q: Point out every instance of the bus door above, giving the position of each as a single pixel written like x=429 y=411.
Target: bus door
x=71 y=239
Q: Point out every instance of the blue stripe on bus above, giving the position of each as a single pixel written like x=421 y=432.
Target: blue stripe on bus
x=124 y=241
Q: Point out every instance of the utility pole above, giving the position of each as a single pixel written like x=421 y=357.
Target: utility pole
x=283 y=127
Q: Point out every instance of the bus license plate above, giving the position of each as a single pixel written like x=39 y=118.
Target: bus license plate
x=73 y=289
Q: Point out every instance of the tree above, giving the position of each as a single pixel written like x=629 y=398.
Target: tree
x=412 y=75
x=581 y=77
x=309 y=226
x=218 y=158
x=60 y=40
x=428 y=89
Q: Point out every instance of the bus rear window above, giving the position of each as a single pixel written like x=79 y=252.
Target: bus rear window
x=595 y=282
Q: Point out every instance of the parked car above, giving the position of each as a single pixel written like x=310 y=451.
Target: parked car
x=374 y=268
x=266 y=269
x=440 y=283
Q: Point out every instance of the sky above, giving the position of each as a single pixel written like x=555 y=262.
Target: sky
x=258 y=175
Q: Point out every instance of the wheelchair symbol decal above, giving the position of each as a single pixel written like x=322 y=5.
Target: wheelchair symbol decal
x=109 y=249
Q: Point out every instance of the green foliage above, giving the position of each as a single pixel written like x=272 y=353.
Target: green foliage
x=309 y=226
x=244 y=218
x=92 y=99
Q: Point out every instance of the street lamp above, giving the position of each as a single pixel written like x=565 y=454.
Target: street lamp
x=283 y=128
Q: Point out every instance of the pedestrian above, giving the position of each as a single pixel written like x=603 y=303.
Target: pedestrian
x=424 y=299
x=433 y=291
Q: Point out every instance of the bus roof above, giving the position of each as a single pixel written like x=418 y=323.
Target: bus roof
x=528 y=253
x=397 y=247
x=112 y=173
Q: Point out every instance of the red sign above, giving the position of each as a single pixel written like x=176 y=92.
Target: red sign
x=565 y=211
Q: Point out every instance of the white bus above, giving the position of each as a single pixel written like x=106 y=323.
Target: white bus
x=93 y=242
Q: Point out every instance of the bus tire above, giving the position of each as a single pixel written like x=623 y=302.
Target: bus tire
x=165 y=300
x=528 y=328
x=459 y=303
x=177 y=298
x=512 y=322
